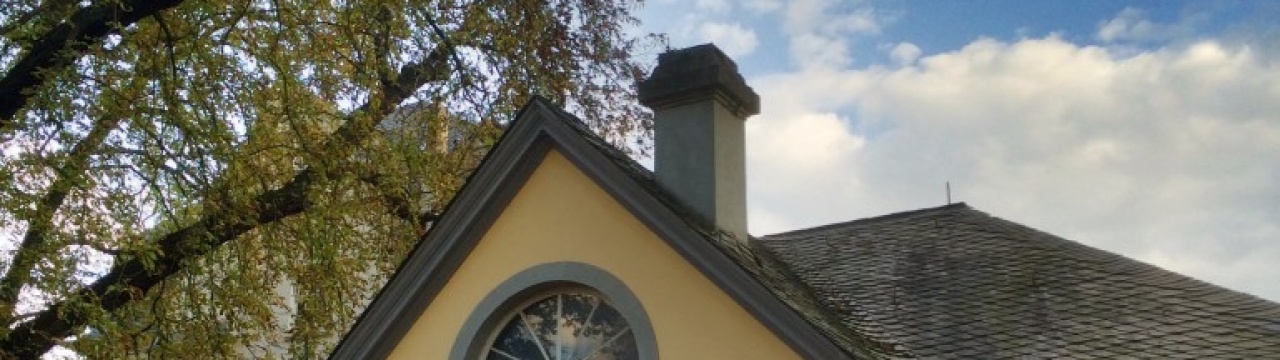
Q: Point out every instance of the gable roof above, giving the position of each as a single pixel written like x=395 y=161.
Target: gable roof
x=751 y=256
x=748 y=273
x=947 y=282
x=954 y=282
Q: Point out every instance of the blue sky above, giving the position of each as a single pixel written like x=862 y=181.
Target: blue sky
x=1146 y=128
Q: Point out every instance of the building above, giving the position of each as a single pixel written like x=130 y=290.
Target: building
x=562 y=247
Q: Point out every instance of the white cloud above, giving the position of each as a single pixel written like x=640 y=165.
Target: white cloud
x=805 y=143
x=804 y=158
x=715 y=6
x=860 y=21
x=762 y=6
x=1167 y=155
x=830 y=17
x=733 y=39
x=819 y=31
x=816 y=51
x=904 y=53
x=1131 y=24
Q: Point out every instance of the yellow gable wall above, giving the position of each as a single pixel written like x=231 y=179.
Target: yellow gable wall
x=561 y=215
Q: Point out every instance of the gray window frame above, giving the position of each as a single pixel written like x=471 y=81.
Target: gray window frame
x=488 y=315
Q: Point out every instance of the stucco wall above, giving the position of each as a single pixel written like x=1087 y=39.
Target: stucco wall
x=561 y=215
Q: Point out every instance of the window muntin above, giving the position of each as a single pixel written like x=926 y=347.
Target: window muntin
x=564 y=325
x=496 y=310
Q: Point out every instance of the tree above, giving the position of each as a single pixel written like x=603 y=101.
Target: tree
x=194 y=177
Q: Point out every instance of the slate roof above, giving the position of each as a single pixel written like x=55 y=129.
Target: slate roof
x=954 y=282
x=944 y=283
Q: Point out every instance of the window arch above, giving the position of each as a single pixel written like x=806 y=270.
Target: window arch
x=597 y=316
x=564 y=324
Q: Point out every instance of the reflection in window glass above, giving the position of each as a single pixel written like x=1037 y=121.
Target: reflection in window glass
x=565 y=326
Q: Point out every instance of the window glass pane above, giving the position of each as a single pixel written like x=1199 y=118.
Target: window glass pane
x=622 y=348
x=568 y=326
x=541 y=318
x=514 y=340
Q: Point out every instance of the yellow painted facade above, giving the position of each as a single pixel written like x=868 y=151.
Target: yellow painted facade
x=562 y=215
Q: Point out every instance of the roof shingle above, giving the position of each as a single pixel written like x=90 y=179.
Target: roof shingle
x=953 y=282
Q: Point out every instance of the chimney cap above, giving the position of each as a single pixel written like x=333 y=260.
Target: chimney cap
x=694 y=74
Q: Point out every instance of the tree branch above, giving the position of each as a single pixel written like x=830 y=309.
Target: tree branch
x=47 y=7
x=33 y=248
x=223 y=222
x=57 y=48
x=448 y=44
x=399 y=206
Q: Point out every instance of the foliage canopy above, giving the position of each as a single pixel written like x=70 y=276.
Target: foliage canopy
x=200 y=178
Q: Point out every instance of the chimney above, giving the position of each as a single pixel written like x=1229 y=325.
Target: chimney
x=700 y=103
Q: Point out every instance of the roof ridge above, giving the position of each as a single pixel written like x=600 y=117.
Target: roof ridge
x=878 y=218
x=1043 y=238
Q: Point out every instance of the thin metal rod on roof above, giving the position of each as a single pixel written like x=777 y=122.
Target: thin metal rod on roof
x=948 y=193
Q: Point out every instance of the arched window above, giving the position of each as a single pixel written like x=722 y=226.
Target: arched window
x=571 y=324
x=558 y=311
